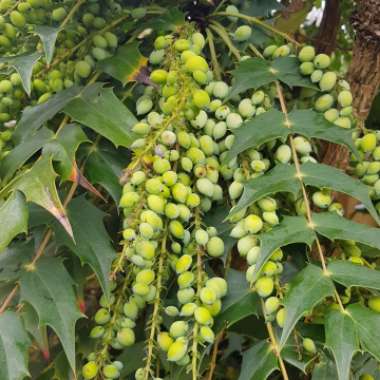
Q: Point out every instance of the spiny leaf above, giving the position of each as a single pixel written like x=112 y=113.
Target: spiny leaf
x=335 y=227
x=307 y=289
x=253 y=73
x=258 y=362
x=342 y=340
x=38 y=186
x=349 y=274
x=293 y=229
x=23 y=64
x=126 y=65
x=48 y=288
x=14 y=345
x=13 y=218
x=34 y=117
x=23 y=151
x=273 y=125
x=367 y=324
x=290 y=354
x=48 y=36
x=92 y=243
x=99 y=109
x=325 y=370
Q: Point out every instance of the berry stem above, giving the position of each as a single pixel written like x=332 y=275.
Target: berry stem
x=77 y=5
x=219 y=29
x=263 y=24
x=156 y=308
x=214 y=58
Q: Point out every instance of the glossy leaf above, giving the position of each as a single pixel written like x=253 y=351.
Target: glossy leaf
x=258 y=362
x=23 y=64
x=325 y=370
x=349 y=274
x=342 y=340
x=171 y=20
x=92 y=243
x=99 y=109
x=292 y=229
x=290 y=354
x=335 y=227
x=254 y=73
x=38 y=186
x=23 y=151
x=127 y=65
x=13 y=218
x=34 y=117
x=307 y=289
x=48 y=36
x=367 y=324
x=14 y=346
x=48 y=288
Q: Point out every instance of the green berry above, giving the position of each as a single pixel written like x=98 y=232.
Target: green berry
x=176 y=229
x=324 y=102
x=90 y=370
x=177 y=350
x=328 y=81
x=185 y=295
x=182 y=44
x=345 y=98
x=331 y=115
x=207 y=335
x=220 y=89
x=178 y=329
x=110 y=371
x=58 y=14
x=126 y=337
x=306 y=54
x=309 y=345
x=215 y=247
x=201 y=98
x=83 y=69
x=374 y=304
x=208 y=296
x=202 y=316
x=316 y=76
x=253 y=224
x=196 y=63
x=307 y=68
x=264 y=286
x=280 y=317
x=322 y=61
x=343 y=122
x=271 y=305
x=322 y=199
x=183 y=264
x=219 y=285
x=17 y=19
x=201 y=237
x=164 y=341
x=243 y=33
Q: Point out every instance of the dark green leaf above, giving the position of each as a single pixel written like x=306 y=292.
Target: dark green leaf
x=325 y=370
x=171 y=20
x=13 y=258
x=23 y=64
x=367 y=324
x=13 y=218
x=320 y=175
x=292 y=229
x=258 y=362
x=260 y=7
x=290 y=354
x=349 y=274
x=99 y=109
x=38 y=186
x=282 y=178
x=23 y=151
x=307 y=289
x=48 y=288
x=253 y=73
x=14 y=345
x=48 y=36
x=342 y=340
x=335 y=227
x=132 y=357
x=126 y=64
x=33 y=117
x=92 y=243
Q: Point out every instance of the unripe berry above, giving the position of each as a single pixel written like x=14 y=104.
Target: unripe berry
x=251 y=274
x=316 y=76
x=322 y=61
x=5 y=86
x=269 y=50
x=246 y=109
x=130 y=309
x=188 y=309
x=281 y=51
x=196 y=63
x=374 y=304
x=83 y=69
x=253 y=224
x=201 y=237
x=215 y=308
x=345 y=98
x=144 y=105
x=110 y=371
x=183 y=263
x=328 y=81
x=343 y=122
x=283 y=154
x=171 y=311
x=208 y=296
x=309 y=345
x=366 y=376
x=220 y=89
x=207 y=335
x=176 y=229
x=203 y=316
x=322 y=199
x=246 y=243
x=205 y=186
x=126 y=336
x=271 y=305
x=59 y=14
x=185 y=279
x=201 y=98
x=145 y=276
x=368 y=142
x=264 y=286
x=198 y=39
x=177 y=350
x=18 y=19
x=234 y=121
x=164 y=341
x=219 y=285
x=307 y=68
x=280 y=317
x=243 y=33
x=161 y=42
x=90 y=370
x=182 y=44
x=253 y=255
x=185 y=296
x=178 y=329
x=158 y=76
x=180 y=192
x=331 y=115
x=140 y=289
x=102 y=316
x=215 y=247
x=307 y=53
x=146 y=249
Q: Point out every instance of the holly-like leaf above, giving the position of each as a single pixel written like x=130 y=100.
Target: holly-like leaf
x=92 y=243
x=14 y=345
x=38 y=186
x=104 y=167
x=34 y=117
x=349 y=274
x=13 y=218
x=127 y=65
x=23 y=151
x=23 y=64
x=258 y=362
x=335 y=227
x=240 y=301
x=307 y=289
x=290 y=354
x=253 y=73
x=48 y=36
x=99 y=109
x=325 y=370
x=48 y=288
x=342 y=340
x=367 y=324
x=273 y=125
x=293 y=229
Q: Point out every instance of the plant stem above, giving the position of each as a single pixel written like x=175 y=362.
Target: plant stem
x=71 y=13
x=263 y=24
x=214 y=58
x=219 y=29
